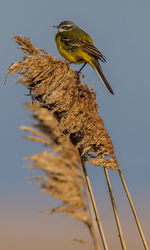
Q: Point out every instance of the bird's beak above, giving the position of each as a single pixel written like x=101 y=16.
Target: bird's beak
x=55 y=26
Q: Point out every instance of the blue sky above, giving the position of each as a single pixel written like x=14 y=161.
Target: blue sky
x=120 y=30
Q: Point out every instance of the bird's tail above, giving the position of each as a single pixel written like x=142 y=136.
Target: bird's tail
x=98 y=68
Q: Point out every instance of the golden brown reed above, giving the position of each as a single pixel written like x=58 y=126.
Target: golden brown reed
x=61 y=165
x=57 y=87
x=80 y=134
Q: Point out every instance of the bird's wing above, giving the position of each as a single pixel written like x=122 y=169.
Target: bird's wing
x=86 y=46
x=93 y=51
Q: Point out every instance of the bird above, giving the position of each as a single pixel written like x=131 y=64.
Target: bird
x=77 y=47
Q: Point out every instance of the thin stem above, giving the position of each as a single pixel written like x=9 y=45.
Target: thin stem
x=92 y=228
x=115 y=211
x=97 y=218
x=133 y=210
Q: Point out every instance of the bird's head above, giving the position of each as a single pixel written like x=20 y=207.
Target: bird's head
x=65 y=26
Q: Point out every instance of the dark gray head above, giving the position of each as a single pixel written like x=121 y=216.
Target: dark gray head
x=65 y=26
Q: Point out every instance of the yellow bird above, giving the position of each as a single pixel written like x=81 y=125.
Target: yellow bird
x=77 y=47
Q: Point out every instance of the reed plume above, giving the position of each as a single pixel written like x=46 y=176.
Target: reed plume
x=58 y=88
x=61 y=165
x=63 y=178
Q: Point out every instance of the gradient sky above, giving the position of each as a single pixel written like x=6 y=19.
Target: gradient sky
x=120 y=30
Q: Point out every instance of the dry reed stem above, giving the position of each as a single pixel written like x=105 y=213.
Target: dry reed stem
x=56 y=87
x=133 y=211
x=122 y=241
x=97 y=218
x=62 y=167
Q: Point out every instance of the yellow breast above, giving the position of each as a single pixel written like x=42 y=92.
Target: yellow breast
x=74 y=55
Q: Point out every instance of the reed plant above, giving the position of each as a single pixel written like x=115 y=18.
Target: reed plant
x=68 y=123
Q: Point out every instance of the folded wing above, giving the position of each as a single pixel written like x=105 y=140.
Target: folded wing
x=86 y=46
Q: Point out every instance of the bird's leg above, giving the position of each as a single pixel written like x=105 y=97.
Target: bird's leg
x=82 y=68
x=78 y=73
